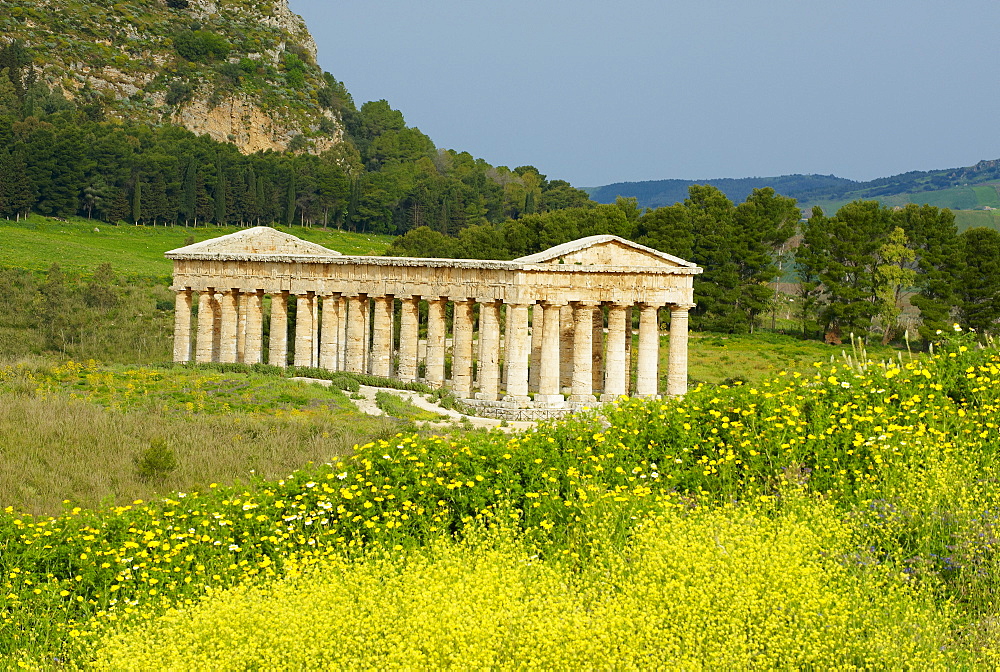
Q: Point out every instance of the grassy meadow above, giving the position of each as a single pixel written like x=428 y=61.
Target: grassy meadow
x=844 y=516
x=79 y=245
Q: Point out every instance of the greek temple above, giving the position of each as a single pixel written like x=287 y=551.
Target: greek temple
x=524 y=339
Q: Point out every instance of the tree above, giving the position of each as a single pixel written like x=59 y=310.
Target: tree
x=189 y=191
x=219 y=197
x=119 y=208
x=712 y=221
x=810 y=258
x=763 y=224
x=934 y=237
x=843 y=252
x=979 y=289
x=893 y=274
x=137 y=201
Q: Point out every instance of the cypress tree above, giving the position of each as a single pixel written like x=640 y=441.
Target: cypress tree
x=290 y=201
x=189 y=191
x=219 y=200
x=137 y=201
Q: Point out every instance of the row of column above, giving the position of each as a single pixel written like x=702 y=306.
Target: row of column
x=565 y=350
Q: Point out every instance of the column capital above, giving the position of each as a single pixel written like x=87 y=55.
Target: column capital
x=585 y=304
x=677 y=307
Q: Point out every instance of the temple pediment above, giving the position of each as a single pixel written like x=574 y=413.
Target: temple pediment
x=605 y=250
x=259 y=240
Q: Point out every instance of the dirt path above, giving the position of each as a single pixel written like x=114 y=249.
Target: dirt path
x=368 y=406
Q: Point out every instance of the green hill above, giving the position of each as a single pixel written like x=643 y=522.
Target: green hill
x=78 y=245
x=239 y=71
x=970 y=188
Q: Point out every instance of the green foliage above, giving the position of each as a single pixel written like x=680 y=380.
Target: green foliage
x=846 y=267
x=979 y=286
x=201 y=46
x=155 y=462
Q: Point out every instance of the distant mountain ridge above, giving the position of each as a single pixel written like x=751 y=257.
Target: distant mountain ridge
x=952 y=187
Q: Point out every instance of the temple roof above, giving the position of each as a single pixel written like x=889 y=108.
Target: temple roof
x=604 y=250
x=259 y=240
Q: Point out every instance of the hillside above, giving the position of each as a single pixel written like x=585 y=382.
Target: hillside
x=136 y=251
x=969 y=188
x=239 y=71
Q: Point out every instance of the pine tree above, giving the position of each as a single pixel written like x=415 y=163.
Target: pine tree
x=119 y=209
x=979 y=289
x=934 y=237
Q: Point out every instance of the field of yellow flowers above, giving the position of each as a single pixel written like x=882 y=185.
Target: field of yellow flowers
x=842 y=518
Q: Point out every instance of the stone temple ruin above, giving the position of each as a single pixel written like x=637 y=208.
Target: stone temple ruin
x=566 y=316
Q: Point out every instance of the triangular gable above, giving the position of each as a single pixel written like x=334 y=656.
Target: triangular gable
x=258 y=240
x=605 y=250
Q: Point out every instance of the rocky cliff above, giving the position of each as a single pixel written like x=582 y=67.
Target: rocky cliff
x=239 y=71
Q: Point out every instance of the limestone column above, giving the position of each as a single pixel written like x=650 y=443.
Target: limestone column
x=616 y=362
x=597 y=359
x=216 y=326
x=436 y=334
x=230 y=327
x=583 y=353
x=366 y=335
x=182 y=326
x=254 y=341
x=649 y=352
x=628 y=350
x=241 y=327
x=314 y=354
x=382 y=336
x=536 y=347
x=489 y=338
x=303 y=330
x=505 y=345
x=566 y=329
x=329 y=333
x=277 y=344
x=461 y=358
x=677 y=356
x=206 y=326
x=409 y=338
x=517 y=352
x=548 y=376
x=342 y=335
x=356 y=316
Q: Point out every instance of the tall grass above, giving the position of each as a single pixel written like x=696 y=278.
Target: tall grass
x=79 y=433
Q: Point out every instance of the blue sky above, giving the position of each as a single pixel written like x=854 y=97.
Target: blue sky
x=601 y=92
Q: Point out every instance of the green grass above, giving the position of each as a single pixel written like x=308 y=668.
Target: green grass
x=396 y=407
x=716 y=358
x=77 y=431
x=81 y=245
x=970 y=219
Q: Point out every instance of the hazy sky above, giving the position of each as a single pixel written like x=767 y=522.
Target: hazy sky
x=601 y=92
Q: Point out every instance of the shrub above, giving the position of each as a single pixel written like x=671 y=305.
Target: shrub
x=201 y=46
x=156 y=462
